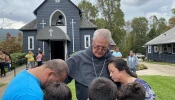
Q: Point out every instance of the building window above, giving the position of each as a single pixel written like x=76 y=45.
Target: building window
x=155 y=48
x=165 y=48
x=149 y=49
x=169 y=48
x=57 y=1
x=30 y=42
x=173 y=48
x=86 y=41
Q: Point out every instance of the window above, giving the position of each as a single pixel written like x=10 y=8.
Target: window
x=86 y=41
x=30 y=42
x=155 y=48
x=169 y=48
x=173 y=48
x=57 y=1
x=149 y=49
x=165 y=48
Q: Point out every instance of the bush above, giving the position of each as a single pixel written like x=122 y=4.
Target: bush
x=18 y=59
x=142 y=67
x=73 y=53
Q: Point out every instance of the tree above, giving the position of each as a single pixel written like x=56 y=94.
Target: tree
x=161 y=26
x=153 y=27
x=100 y=22
x=173 y=11
x=114 y=18
x=140 y=29
x=172 y=22
x=89 y=11
x=12 y=44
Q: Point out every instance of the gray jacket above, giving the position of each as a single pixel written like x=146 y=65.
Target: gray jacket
x=132 y=61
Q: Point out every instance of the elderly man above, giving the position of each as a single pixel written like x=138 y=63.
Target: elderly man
x=28 y=84
x=91 y=63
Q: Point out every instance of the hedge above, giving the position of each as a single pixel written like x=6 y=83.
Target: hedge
x=18 y=59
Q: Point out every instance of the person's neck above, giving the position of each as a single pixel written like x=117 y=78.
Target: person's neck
x=127 y=79
x=36 y=72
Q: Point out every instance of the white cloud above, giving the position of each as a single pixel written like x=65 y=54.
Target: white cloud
x=159 y=15
x=11 y=24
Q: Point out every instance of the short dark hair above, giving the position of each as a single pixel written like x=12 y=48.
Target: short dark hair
x=131 y=91
x=102 y=89
x=57 y=91
x=121 y=65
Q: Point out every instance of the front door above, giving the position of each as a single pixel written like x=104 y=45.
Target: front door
x=57 y=50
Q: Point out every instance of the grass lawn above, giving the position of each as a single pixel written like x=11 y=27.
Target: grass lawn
x=163 y=86
x=2 y=84
x=72 y=87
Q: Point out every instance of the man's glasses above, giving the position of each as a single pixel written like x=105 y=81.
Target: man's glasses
x=99 y=47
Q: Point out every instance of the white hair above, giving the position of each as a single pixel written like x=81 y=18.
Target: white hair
x=102 y=33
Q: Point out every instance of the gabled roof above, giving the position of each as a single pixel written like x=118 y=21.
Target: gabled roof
x=84 y=23
x=112 y=42
x=35 y=11
x=165 y=38
x=30 y=26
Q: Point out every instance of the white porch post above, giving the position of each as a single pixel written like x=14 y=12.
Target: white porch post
x=43 y=23
x=65 y=47
x=73 y=33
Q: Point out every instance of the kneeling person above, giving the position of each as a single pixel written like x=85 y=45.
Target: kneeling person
x=57 y=91
x=102 y=89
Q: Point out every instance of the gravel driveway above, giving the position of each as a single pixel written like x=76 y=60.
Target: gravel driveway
x=157 y=69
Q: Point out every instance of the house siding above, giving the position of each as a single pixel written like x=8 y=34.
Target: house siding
x=26 y=34
x=84 y=32
x=161 y=57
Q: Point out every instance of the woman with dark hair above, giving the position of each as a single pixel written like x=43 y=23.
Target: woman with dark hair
x=120 y=72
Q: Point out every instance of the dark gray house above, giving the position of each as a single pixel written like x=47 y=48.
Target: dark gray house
x=162 y=48
x=58 y=30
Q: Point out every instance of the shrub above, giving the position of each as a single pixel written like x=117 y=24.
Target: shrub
x=73 y=53
x=142 y=67
x=18 y=59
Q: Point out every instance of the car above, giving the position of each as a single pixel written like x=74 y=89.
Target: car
x=139 y=55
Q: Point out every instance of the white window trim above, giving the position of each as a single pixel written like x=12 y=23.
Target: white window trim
x=149 y=47
x=57 y=1
x=85 y=36
x=155 y=49
x=30 y=37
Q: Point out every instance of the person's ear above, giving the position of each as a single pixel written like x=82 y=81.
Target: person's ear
x=50 y=72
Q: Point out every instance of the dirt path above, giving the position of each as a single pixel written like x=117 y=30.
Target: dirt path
x=8 y=78
x=157 y=69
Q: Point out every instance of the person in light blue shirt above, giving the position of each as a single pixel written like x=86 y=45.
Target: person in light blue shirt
x=28 y=84
x=116 y=53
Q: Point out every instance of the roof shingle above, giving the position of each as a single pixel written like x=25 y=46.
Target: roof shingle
x=164 y=38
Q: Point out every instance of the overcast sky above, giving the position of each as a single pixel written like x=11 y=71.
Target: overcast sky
x=19 y=12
